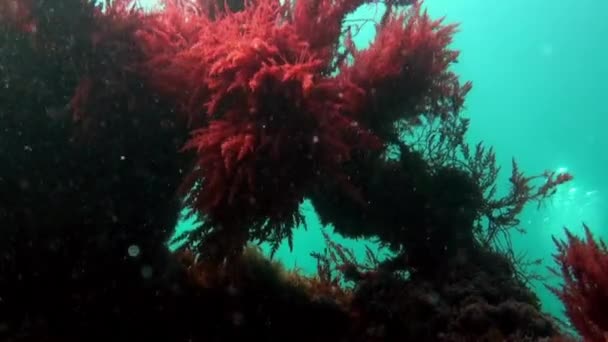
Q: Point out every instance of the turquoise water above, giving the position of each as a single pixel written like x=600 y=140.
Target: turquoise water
x=539 y=72
x=539 y=86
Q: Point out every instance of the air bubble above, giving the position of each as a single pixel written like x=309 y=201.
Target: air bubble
x=133 y=251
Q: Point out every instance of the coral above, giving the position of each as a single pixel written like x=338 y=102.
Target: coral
x=584 y=269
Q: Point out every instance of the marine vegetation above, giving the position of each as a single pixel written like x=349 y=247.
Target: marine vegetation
x=114 y=119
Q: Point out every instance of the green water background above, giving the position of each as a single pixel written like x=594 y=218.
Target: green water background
x=539 y=72
x=540 y=87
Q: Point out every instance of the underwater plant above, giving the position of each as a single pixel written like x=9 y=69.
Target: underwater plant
x=583 y=265
x=269 y=109
x=275 y=106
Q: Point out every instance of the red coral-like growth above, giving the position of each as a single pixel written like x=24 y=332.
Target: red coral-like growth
x=270 y=115
x=405 y=70
x=310 y=16
x=274 y=123
x=584 y=268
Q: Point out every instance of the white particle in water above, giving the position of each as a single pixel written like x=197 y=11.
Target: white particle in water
x=133 y=250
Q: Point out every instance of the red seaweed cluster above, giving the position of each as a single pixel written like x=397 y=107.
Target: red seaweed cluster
x=271 y=102
x=584 y=268
x=274 y=106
